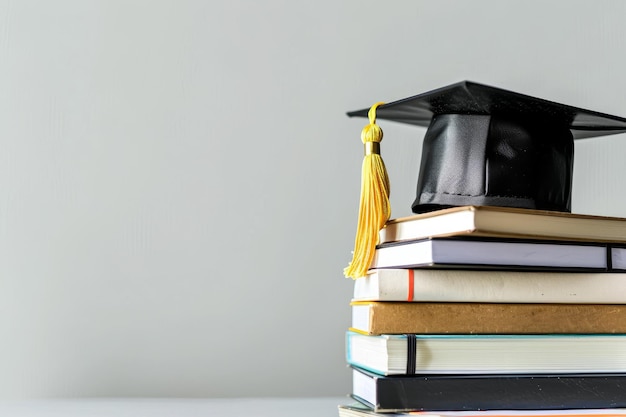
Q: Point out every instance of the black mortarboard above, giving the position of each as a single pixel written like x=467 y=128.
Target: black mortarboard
x=488 y=146
x=483 y=146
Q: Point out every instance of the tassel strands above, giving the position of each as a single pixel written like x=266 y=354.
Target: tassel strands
x=374 y=208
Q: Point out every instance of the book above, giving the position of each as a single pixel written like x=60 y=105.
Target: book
x=493 y=286
x=509 y=222
x=488 y=392
x=487 y=253
x=360 y=410
x=390 y=317
x=411 y=354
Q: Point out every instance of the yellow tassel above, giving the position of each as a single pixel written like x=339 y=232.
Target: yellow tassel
x=374 y=209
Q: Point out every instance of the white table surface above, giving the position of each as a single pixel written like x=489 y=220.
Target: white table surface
x=165 y=407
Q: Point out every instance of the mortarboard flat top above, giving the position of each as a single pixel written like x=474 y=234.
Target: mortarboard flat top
x=468 y=97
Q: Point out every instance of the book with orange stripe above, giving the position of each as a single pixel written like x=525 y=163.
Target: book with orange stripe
x=492 y=286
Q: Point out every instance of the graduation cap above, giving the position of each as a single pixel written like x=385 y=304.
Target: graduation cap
x=483 y=146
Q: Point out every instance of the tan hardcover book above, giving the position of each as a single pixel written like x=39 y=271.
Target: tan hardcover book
x=505 y=222
x=381 y=317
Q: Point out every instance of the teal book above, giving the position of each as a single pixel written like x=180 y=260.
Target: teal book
x=412 y=354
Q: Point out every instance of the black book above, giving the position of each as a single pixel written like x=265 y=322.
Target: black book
x=488 y=392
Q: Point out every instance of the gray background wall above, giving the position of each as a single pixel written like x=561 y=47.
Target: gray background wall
x=179 y=182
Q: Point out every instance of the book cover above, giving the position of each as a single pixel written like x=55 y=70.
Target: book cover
x=505 y=222
x=412 y=354
x=388 y=317
x=491 y=286
x=488 y=392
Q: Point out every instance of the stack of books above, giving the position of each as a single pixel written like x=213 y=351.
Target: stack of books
x=490 y=308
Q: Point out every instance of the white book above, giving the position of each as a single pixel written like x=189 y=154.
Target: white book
x=493 y=286
x=492 y=253
x=486 y=354
x=360 y=410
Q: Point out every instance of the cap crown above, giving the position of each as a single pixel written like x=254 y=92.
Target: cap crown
x=485 y=160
